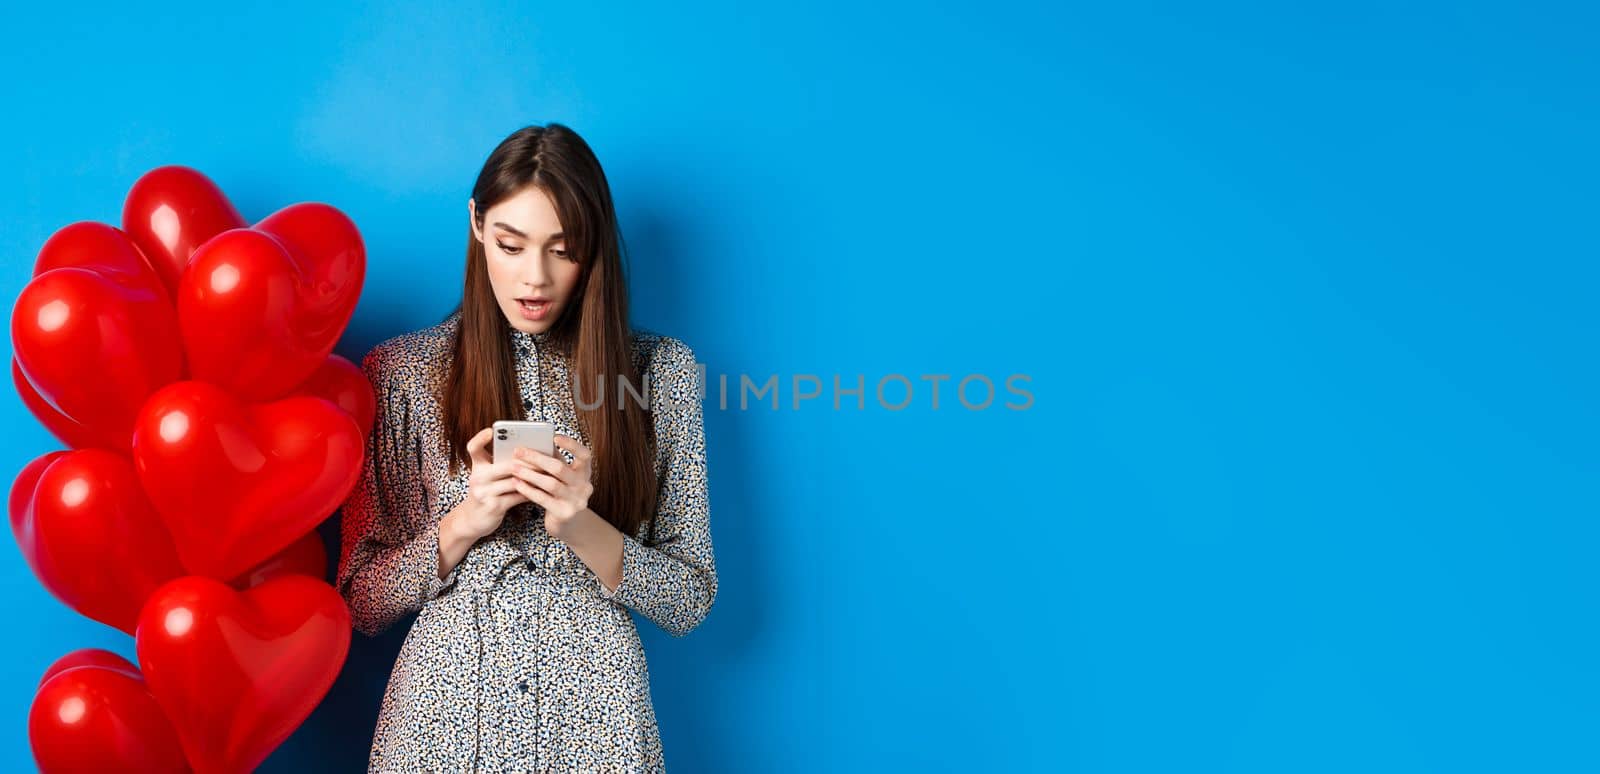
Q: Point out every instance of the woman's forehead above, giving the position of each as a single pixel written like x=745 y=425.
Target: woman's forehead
x=529 y=212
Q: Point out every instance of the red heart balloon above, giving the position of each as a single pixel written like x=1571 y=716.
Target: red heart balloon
x=91 y=536
x=237 y=482
x=95 y=341
x=63 y=427
x=93 y=712
x=96 y=657
x=111 y=254
x=306 y=556
x=261 y=309
x=237 y=672
x=114 y=574
x=343 y=384
x=329 y=251
x=20 y=506
x=105 y=249
x=170 y=211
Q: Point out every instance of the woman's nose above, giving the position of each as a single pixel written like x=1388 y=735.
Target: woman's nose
x=534 y=275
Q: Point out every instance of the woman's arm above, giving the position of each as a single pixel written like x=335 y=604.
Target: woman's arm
x=454 y=540
x=672 y=581
x=392 y=552
x=598 y=544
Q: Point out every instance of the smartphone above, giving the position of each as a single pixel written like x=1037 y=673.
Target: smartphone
x=510 y=434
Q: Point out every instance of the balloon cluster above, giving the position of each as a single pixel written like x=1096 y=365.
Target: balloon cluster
x=187 y=360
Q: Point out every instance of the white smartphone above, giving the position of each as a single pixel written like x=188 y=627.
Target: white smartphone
x=510 y=434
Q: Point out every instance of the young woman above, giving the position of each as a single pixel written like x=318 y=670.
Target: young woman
x=525 y=655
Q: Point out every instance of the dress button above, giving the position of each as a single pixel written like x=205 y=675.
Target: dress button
x=523 y=686
x=523 y=351
x=527 y=404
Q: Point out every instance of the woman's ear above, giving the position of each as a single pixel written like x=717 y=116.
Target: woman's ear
x=472 y=219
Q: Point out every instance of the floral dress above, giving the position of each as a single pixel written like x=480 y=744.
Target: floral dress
x=520 y=660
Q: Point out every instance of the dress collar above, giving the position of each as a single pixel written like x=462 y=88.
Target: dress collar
x=523 y=341
x=519 y=340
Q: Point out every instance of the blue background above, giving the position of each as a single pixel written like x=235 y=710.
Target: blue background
x=1306 y=296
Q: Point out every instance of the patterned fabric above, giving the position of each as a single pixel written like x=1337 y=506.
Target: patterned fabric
x=520 y=660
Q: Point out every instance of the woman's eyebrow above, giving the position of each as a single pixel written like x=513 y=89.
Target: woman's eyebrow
x=556 y=237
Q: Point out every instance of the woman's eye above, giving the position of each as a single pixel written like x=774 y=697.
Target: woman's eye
x=558 y=252
x=509 y=249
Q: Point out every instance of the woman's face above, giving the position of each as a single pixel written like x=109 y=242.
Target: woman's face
x=527 y=258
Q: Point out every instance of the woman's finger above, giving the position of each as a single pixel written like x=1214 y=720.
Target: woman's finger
x=535 y=496
x=496 y=488
x=508 y=501
x=580 y=453
x=497 y=471
x=541 y=461
x=544 y=481
x=478 y=447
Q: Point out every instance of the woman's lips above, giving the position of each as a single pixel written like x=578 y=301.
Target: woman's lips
x=534 y=310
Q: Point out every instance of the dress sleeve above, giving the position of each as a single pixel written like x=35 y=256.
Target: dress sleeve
x=673 y=581
x=389 y=535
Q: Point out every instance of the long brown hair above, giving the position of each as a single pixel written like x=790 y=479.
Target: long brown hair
x=593 y=331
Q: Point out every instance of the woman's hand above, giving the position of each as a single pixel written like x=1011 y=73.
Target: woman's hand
x=548 y=481
x=491 y=490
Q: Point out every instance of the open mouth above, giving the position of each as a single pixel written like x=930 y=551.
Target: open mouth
x=534 y=309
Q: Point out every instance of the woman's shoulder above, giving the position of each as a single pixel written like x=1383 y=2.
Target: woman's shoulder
x=657 y=353
x=669 y=366
x=412 y=355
